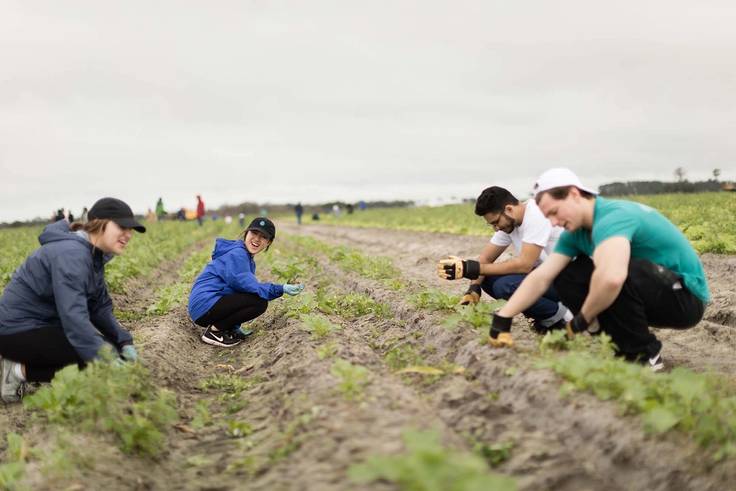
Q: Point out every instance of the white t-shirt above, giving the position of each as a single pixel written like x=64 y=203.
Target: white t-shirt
x=534 y=229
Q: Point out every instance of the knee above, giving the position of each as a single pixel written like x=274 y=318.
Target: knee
x=503 y=288
x=261 y=305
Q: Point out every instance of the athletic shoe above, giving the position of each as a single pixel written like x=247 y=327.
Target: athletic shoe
x=12 y=386
x=540 y=329
x=656 y=363
x=224 y=339
x=241 y=333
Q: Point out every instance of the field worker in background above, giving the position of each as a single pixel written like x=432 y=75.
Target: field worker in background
x=160 y=211
x=523 y=226
x=619 y=263
x=241 y=219
x=200 y=210
x=227 y=293
x=56 y=310
x=298 y=211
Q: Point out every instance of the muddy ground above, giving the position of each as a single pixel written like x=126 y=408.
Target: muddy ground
x=305 y=434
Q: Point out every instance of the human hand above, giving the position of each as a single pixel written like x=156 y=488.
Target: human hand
x=501 y=332
x=472 y=296
x=293 y=289
x=577 y=325
x=454 y=268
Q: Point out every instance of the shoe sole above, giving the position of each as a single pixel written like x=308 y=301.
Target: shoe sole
x=214 y=342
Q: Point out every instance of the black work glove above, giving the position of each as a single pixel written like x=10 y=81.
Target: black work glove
x=501 y=332
x=472 y=295
x=454 y=268
x=577 y=325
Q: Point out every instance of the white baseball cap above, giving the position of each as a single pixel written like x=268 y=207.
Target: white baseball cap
x=559 y=177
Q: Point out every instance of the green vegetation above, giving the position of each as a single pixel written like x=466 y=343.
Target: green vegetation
x=434 y=299
x=108 y=397
x=707 y=219
x=477 y=316
x=318 y=325
x=16 y=245
x=353 y=378
x=702 y=405
x=327 y=350
x=174 y=294
x=402 y=356
x=428 y=466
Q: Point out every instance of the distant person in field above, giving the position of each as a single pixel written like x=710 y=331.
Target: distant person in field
x=56 y=310
x=620 y=266
x=160 y=210
x=362 y=205
x=522 y=226
x=241 y=219
x=227 y=293
x=350 y=208
x=83 y=218
x=298 y=211
x=200 y=210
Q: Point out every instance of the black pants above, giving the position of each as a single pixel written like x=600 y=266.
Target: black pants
x=232 y=310
x=651 y=296
x=43 y=351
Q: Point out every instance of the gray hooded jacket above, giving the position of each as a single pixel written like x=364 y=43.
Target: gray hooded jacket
x=62 y=284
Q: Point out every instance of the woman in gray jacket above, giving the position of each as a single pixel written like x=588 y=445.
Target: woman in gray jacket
x=56 y=310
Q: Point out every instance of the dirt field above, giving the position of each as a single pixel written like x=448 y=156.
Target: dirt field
x=306 y=434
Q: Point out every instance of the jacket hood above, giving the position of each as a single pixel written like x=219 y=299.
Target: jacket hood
x=59 y=231
x=223 y=246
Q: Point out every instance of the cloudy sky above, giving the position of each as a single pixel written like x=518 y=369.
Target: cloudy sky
x=310 y=100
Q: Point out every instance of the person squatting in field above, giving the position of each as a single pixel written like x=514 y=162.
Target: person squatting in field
x=620 y=266
x=56 y=310
x=227 y=292
x=522 y=225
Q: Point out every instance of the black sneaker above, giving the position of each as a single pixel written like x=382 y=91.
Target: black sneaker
x=540 y=329
x=224 y=339
x=656 y=363
x=242 y=333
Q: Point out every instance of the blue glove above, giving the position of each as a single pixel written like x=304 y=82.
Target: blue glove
x=293 y=289
x=128 y=353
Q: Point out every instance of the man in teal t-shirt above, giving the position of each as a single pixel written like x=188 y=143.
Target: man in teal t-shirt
x=619 y=263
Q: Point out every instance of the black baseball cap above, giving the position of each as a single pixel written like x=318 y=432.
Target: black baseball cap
x=264 y=226
x=117 y=211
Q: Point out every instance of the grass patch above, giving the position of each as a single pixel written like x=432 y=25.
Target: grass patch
x=699 y=404
x=107 y=397
x=428 y=466
x=352 y=379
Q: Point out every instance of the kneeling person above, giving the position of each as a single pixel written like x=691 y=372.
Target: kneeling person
x=618 y=262
x=227 y=293
x=522 y=225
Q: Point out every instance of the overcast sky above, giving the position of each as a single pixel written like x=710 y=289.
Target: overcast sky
x=284 y=101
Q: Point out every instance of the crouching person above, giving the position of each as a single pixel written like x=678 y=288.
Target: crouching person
x=227 y=293
x=620 y=263
x=522 y=226
x=56 y=310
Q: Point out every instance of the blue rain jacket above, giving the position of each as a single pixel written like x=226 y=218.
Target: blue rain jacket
x=62 y=284
x=232 y=270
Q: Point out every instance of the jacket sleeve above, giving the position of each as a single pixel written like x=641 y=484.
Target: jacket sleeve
x=69 y=281
x=234 y=268
x=104 y=320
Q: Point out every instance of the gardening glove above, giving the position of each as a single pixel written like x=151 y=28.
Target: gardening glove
x=472 y=295
x=454 y=268
x=501 y=332
x=128 y=353
x=293 y=289
x=577 y=325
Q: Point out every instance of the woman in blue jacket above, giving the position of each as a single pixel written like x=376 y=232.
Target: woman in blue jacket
x=227 y=293
x=56 y=310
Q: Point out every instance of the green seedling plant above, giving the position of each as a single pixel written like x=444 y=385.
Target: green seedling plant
x=401 y=356
x=428 y=466
x=434 y=299
x=237 y=429
x=13 y=468
x=476 y=316
x=327 y=350
x=318 y=325
x=202 y=415
x=109 y=397
x=494 y=454
x=701 y=405
x=352 y=379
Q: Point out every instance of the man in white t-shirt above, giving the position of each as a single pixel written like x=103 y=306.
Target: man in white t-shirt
x=533 y=238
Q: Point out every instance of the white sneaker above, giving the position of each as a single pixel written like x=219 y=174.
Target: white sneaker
x=656 y=363
x=12 y=387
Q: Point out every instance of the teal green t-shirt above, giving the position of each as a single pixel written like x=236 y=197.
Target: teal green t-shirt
x=651 y=235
